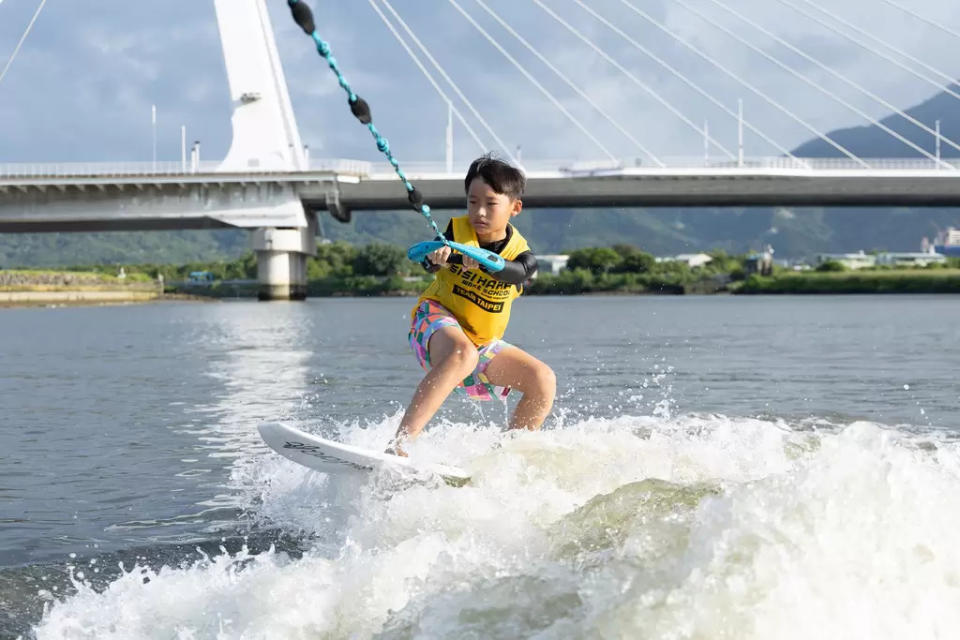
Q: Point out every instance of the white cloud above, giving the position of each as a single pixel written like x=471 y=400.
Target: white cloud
x=83 y=79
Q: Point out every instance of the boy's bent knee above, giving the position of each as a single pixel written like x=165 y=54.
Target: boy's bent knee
x=544 y=381
x=463 y=356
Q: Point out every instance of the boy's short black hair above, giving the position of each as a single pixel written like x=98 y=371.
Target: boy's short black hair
x=501 y=176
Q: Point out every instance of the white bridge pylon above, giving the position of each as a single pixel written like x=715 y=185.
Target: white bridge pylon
x=265 y=134
x=265 y=138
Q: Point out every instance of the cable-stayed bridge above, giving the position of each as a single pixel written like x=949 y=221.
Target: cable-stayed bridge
x=268 y=183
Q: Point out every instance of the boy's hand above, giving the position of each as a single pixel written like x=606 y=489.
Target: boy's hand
x=470 y=263
x=440 y=256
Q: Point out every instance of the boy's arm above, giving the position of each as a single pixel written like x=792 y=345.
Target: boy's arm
x=518 y=270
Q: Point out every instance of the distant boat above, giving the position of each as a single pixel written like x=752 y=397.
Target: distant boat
x=201 y=277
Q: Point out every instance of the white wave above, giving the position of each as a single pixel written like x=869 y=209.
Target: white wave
x=692 y=527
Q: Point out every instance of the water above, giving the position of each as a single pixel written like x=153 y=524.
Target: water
x=715 y=467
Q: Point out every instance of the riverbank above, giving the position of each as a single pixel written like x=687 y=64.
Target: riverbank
x=854 y=282
x=22 y=288
x=380 y=271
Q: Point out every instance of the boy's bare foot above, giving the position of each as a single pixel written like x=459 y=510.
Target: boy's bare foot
x=394 y=449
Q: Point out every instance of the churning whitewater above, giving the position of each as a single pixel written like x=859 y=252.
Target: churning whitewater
x=697 y=526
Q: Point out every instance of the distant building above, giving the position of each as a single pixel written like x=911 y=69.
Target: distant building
x=859 y=260
x=946 y=243
x=910 y=259
x=552 y=263
x=692 y=260
x=760 y=263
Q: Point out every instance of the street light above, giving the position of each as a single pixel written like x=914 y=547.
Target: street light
x=153 y=119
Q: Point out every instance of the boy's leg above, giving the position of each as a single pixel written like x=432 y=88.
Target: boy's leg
x=452 y=358
x=519 y=370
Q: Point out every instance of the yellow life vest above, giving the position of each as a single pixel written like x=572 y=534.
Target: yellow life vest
x=479 y=302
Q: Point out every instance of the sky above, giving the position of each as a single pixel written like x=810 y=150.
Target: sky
x=82 y=87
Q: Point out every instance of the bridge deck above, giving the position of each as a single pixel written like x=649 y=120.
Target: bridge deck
x=72 y=197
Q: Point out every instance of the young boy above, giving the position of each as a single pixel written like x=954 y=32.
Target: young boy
x=458 y=322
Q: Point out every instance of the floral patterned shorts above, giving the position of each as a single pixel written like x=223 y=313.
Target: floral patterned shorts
x=430 y=317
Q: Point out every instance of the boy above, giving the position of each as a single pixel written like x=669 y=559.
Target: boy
x=458 y=322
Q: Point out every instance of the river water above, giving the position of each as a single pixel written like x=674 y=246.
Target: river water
x=715 y=467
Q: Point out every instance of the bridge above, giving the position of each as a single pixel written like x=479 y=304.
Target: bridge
x=148 y=196
x=267 y=182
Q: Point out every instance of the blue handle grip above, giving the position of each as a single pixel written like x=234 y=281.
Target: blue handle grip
x=492 y=262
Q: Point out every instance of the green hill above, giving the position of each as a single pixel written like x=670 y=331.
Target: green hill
x=873 y=142
x=129 y=247
x=794 y=233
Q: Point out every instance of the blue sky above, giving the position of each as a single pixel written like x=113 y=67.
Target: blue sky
x=82 y=87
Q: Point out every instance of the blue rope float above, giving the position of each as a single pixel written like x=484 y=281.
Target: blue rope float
x=303 y=16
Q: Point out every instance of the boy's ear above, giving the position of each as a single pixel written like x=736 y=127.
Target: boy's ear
x=517 y=207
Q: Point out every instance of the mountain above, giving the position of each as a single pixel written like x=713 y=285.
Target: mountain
x=873 y=142
x=793 y=232
x=120 y=247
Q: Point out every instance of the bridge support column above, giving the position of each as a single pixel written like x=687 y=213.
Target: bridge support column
x=282 y=260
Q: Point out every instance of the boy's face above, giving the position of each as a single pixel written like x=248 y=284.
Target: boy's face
x=490 y=211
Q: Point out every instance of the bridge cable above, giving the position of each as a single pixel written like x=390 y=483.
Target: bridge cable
x=939 y=85
x=535 y=82
x=303 y=16
x=748 y=85
x=450 y=81
x=689 y=83
x=817 y=86
x=634 y=78
x=923 y=18
x=946 y=76
x=570 y=82
x=429 y=76
x=16 y=49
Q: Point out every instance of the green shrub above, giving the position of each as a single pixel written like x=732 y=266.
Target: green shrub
x=633 y=260
x=596 y=260
x=380 y=260
x=830 y=266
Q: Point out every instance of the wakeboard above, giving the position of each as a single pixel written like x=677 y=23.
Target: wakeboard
x=329 y=456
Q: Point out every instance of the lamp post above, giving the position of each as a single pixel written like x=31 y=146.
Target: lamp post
x=153 y=120
x=938 y=144
x=739 y=133
x=449 y=138
x=706 y=143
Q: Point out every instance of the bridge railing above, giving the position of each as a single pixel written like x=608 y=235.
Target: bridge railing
x=362 y=168
x=100 y=169
x=770 y=162
x=165 y=169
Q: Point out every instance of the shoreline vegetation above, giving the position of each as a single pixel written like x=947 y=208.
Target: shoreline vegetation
x=340 y=269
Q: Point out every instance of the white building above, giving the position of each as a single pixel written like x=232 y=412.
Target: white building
x=946 y=243
x=910 y=259
x=691 y=259
x=552 y=263
x=859 y=260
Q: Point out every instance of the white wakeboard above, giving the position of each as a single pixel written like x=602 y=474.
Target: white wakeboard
x=328 y=456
